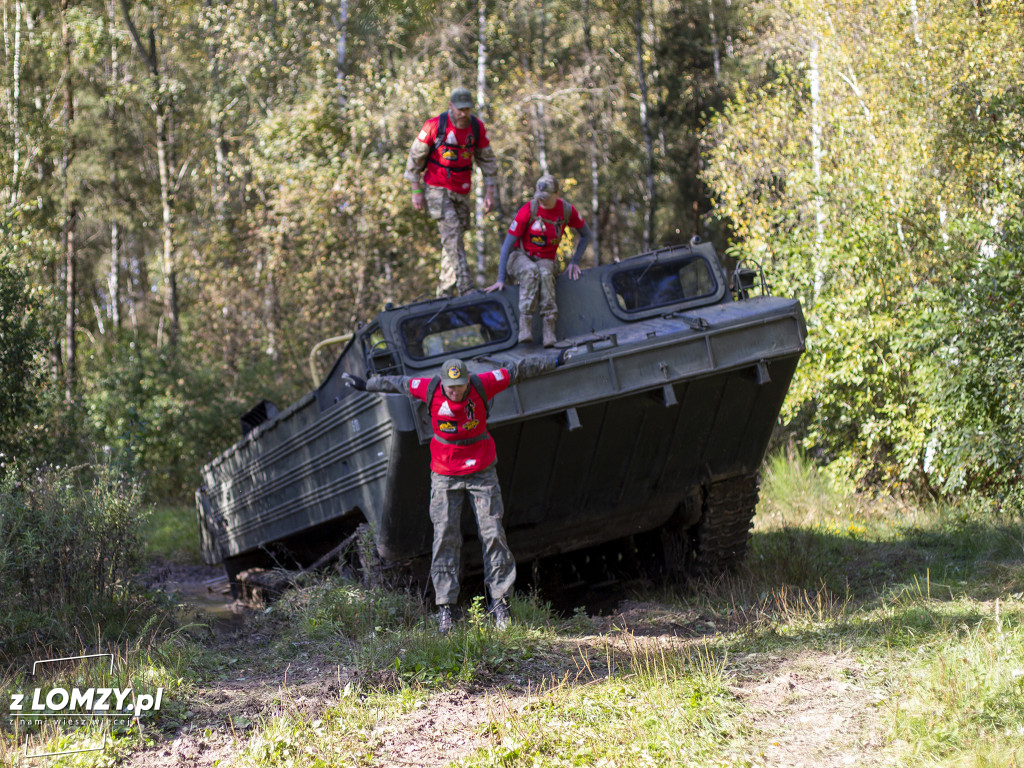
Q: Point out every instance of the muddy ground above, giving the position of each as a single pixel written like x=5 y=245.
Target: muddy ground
x=805 y=708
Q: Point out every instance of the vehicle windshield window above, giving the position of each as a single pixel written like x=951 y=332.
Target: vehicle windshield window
x=654 y=285
x=455 y=330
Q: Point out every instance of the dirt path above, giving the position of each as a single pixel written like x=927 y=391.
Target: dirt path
x=806 y=708
x=811 y=710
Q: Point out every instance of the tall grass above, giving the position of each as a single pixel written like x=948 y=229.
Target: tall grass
x=149 y=668
x=70 y=544
x=933 y=603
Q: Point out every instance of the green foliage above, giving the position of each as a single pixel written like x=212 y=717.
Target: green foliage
x=284 y=134
x=874 y=176
x=156 y=415
x=70 y=542
x=971 y=376
x=21 y=344
x=391 y=632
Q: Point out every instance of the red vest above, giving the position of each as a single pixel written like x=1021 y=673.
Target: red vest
x=450 y=162
x=461 y=423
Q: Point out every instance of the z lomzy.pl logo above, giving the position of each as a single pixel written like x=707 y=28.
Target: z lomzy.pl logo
x=73 y=706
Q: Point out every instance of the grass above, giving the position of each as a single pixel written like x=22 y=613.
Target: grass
x=172 y=533
x=661 y=708
x=913 y=616
x=151 y=668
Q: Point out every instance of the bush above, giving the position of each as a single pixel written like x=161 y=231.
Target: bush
x=22 y=338
x=70 y=543
x=158 y=414
x=971 y=379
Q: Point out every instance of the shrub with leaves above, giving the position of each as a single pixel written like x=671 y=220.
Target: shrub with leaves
x=70 y=543
x=971 y=379
x=22 y=337
x=877 y=175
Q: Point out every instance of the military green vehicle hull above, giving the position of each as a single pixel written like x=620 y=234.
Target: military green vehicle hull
x=647 y=436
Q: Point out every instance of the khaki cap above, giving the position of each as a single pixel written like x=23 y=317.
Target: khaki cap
x=454 y=372
x=462 y=99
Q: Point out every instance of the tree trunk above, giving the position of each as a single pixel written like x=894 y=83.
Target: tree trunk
x=71 y=305
x=167 y=209
x=592 y=150
x=531 y=68
x=616 y=225
x=114 y=273
x=814 y=76
x=645 y=128
x=729 y=51
x=114 y=276
x=538 y=105
x=15 y=112
x=481 y=102
x=161 y=106
x=716 y=55
x=270 y=310
x=341 y=24
x=70 y=209
x=655 y=75
x=221 y=192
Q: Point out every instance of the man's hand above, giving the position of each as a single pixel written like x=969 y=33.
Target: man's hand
x=498 y=286
x=419 y=200
x=488 y=199
x=354 y=381
x=574 y=271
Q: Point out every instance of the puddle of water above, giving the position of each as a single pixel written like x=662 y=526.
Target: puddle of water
x=225 y=613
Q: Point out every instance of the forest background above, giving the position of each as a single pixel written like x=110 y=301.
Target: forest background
x=193 y=194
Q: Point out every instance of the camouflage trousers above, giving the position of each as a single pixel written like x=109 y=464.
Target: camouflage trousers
x=447 y=495
x=451 y=210
x=534 y=277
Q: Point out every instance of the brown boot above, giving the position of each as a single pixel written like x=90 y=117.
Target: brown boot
x=526 y=329
x=549 y=331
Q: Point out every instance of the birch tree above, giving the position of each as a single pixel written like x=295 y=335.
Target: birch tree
x=70 y=205
x=162 y=107
x=651 y=199
x=481 y=108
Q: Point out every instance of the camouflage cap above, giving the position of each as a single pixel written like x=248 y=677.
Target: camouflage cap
x=462 y=99
x=546 y=185
x=454 y=372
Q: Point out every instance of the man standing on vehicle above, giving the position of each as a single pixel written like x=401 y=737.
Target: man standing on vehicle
x=530 y=252
x=440 y=169
x=462 y=468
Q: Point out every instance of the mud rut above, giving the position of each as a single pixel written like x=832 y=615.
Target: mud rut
x=804 y=708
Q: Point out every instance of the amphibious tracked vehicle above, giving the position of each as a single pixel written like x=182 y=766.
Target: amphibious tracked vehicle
x=643 y=444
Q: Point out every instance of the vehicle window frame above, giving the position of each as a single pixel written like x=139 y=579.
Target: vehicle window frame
x=654 y=260
x=418 y=360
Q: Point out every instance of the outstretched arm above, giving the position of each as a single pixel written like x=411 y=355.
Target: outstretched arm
x=398 y=385
x=528 y=367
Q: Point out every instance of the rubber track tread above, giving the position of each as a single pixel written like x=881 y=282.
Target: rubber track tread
x=720 y=539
